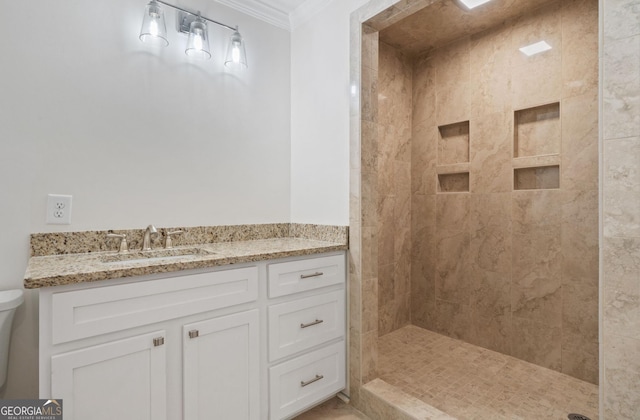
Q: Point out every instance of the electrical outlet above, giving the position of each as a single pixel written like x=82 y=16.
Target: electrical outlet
x=59 y=209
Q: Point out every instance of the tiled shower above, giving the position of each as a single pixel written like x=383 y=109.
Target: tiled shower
x=480 y=185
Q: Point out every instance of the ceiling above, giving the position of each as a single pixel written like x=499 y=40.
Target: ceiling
x=444 y=21
x=286 y=14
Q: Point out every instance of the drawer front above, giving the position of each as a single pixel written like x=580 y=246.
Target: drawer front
x=312 y=273
x=90 y=312
x=306 y=380
x=304 y=323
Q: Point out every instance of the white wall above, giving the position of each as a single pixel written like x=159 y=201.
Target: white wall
x=320 y=95
x=136 y=135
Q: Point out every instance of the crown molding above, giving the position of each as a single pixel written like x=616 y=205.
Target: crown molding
x=306 y=11
x=260 y=10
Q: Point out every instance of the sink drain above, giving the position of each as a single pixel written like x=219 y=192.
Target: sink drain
x=574 y=416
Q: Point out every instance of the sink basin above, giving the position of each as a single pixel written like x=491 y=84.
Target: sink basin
x=154 y=256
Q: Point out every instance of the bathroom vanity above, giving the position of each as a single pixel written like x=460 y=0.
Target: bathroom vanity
x=250 y=340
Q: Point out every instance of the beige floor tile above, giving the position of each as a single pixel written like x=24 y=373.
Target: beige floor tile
x=473 y=383
x=333 y=409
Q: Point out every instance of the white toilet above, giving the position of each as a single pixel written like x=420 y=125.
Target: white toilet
x=9 y=301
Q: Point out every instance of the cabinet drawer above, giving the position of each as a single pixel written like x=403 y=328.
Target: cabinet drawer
x=299 y=276
x=304 y=323
x=90 y=312
x=306 y=380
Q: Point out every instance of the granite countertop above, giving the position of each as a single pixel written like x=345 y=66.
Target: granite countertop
x=71 y=268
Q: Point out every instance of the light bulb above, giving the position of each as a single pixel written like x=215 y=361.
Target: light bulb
x=153 y=27
x=235 y=54
x=197 y=39
x=197 y=42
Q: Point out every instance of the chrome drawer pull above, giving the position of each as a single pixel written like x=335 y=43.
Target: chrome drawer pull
x=311 y=324
x=317 y=378
x=316 y=274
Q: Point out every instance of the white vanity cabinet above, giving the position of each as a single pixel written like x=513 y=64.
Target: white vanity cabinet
x=121 y=379
x=199 y=344
x=222 y=367
x=306 y=333
x=154 y=347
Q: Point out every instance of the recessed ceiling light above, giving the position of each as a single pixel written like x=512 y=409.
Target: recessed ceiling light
x=536 y=48
x=470 y=4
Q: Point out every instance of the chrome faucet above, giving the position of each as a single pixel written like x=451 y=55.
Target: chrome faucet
x=146 y=241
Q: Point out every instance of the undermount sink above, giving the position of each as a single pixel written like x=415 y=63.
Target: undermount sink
x=154 y=256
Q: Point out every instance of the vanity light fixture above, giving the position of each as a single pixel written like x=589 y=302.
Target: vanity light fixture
x=198 y=43
x=472 y=4
x=536 y=48
x=236 y=54
x=154 y=32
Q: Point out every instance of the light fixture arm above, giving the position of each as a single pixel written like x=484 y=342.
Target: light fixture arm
x=235 y=29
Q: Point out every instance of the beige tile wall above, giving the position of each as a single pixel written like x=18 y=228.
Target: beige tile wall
x=513 y=271
x=499 y=268
x=620 y=248
x=620 y=284
x=394 y=189
x=367 y=307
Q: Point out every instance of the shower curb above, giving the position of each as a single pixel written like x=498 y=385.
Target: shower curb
x=382 y=401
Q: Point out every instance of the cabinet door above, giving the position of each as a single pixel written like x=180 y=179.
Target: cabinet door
x=123 y=379
x=221 y=368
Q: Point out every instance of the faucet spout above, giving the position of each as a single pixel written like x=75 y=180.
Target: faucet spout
x=146 y=241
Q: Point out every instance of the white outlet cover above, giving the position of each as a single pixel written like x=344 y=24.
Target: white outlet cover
x=59 y=209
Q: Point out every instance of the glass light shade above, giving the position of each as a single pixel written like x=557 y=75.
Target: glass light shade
x=154 y=30
x=198 y=43
x=236 y=55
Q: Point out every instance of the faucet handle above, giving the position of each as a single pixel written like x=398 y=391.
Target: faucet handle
x=168 y=242
x=123 y=241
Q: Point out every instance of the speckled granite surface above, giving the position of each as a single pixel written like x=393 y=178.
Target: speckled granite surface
x=76 y=257
x=95 y=241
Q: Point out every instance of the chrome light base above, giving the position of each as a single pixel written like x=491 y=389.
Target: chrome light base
x=184 y=21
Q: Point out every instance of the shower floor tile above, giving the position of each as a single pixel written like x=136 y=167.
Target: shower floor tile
x=470 y=382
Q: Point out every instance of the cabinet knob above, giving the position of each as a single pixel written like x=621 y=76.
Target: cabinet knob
x=158 y=341
x=194 y=333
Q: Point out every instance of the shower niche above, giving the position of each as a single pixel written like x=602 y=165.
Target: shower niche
x=453 y=158
x=536 y=147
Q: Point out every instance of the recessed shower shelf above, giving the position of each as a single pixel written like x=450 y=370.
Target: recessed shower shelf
x=537 y=178
x=536 y=161
x=453 y=143
x=537 y=131
x=453 y=182
x=454 y=168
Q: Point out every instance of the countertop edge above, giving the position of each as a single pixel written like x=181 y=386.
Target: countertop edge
x=98 y=272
